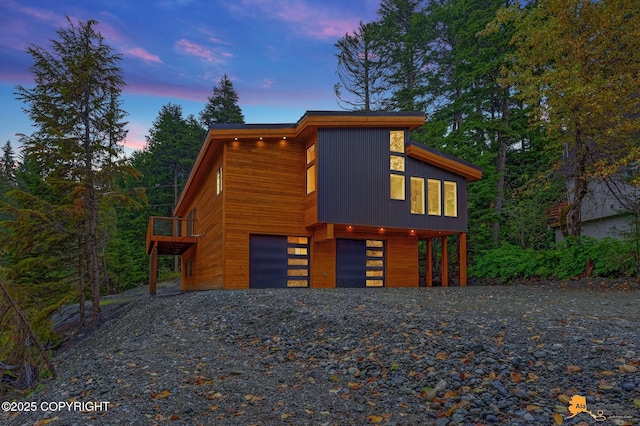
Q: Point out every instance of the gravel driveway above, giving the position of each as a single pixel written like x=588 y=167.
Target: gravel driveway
x=515 y=355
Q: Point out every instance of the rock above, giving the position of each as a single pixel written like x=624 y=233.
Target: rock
x=628 y=386
x=441 y=386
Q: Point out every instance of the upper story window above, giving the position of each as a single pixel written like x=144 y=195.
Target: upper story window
x=219 y=181
x=311 y=168
x=450 y=199
x=417 y=195
x=434 y=197
x=396 y=141
x=396 y=165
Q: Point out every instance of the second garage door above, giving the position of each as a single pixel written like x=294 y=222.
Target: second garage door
x=359 y=263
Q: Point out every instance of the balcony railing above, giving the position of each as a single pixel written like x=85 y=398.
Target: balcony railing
x=171 y=230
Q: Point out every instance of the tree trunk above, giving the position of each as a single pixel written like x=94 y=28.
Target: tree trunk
x=501 y=162
x=176 y=259
x=580 y=190
x=81 y=283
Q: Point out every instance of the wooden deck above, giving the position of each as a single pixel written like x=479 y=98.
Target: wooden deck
x=167 y=236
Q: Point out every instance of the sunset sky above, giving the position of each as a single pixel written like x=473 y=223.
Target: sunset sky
x=279 y=54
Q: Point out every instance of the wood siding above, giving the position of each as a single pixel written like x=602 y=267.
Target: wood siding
x=264 y=193
x=401 y=257
x=207 y=255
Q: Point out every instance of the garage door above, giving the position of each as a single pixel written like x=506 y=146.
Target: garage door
x=277 y=261
x=359 y=263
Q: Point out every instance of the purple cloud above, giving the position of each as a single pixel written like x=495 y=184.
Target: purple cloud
x=140 y=53
x=189 y=48
x=311 y=21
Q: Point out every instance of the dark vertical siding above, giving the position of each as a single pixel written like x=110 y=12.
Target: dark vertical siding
x=353 y=183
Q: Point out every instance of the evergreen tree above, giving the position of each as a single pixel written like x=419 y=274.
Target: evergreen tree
x=577 y=64
x=405 y=35
x=222 y=107
x=8 y=165
x=470 y=108
x=360 y=70
x=172 y=147
x=76 y=109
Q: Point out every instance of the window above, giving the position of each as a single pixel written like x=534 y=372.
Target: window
x=188 y=267
x=433 y=197
x=450 y=199
x=311 y=168
x=311 y=179
x=396 y=163
x=396 y=141
x=417 y=195
x=374 y=270
x=396 y=183
x=219 y=181
x=311 y=154
x=190 y=222
x=297 y=261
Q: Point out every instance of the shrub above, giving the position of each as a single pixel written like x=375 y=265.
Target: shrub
x=610 y=258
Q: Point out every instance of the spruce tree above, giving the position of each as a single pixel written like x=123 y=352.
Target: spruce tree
x=222 y=107
x=76 y=109
x=360 y=70
x=8 y=164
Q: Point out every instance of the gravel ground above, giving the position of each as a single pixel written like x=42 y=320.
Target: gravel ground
x=512 y=355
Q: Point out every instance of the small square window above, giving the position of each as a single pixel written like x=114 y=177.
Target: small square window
x=396 y=141
x=396 y=163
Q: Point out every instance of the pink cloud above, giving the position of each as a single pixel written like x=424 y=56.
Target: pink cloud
x=187 y=47
x=135 y=139
x=311 y=21
x=140 y=53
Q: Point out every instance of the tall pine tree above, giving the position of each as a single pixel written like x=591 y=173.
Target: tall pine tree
x=223 y=106
x=360 y=70
x=76 y=108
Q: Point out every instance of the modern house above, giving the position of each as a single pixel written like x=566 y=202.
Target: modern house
x=338 y=199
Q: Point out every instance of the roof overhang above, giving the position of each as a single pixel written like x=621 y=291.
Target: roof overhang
x=308 y=123
x=447 y=162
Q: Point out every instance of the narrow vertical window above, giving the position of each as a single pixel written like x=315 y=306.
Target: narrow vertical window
x=417 y=195
x=450 y=199
x=311 y=179
x=396 y=184
x=396 y=165
x=219 y=180
x=434 y=195
x=311 y=168
x=311 y=153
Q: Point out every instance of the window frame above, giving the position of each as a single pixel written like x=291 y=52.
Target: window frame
x=438 y=211
x=417 y=181
x=453 y=189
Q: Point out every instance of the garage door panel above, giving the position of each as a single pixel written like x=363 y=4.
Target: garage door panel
x=359 y=263
x=277 y=261
x=267 y=261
